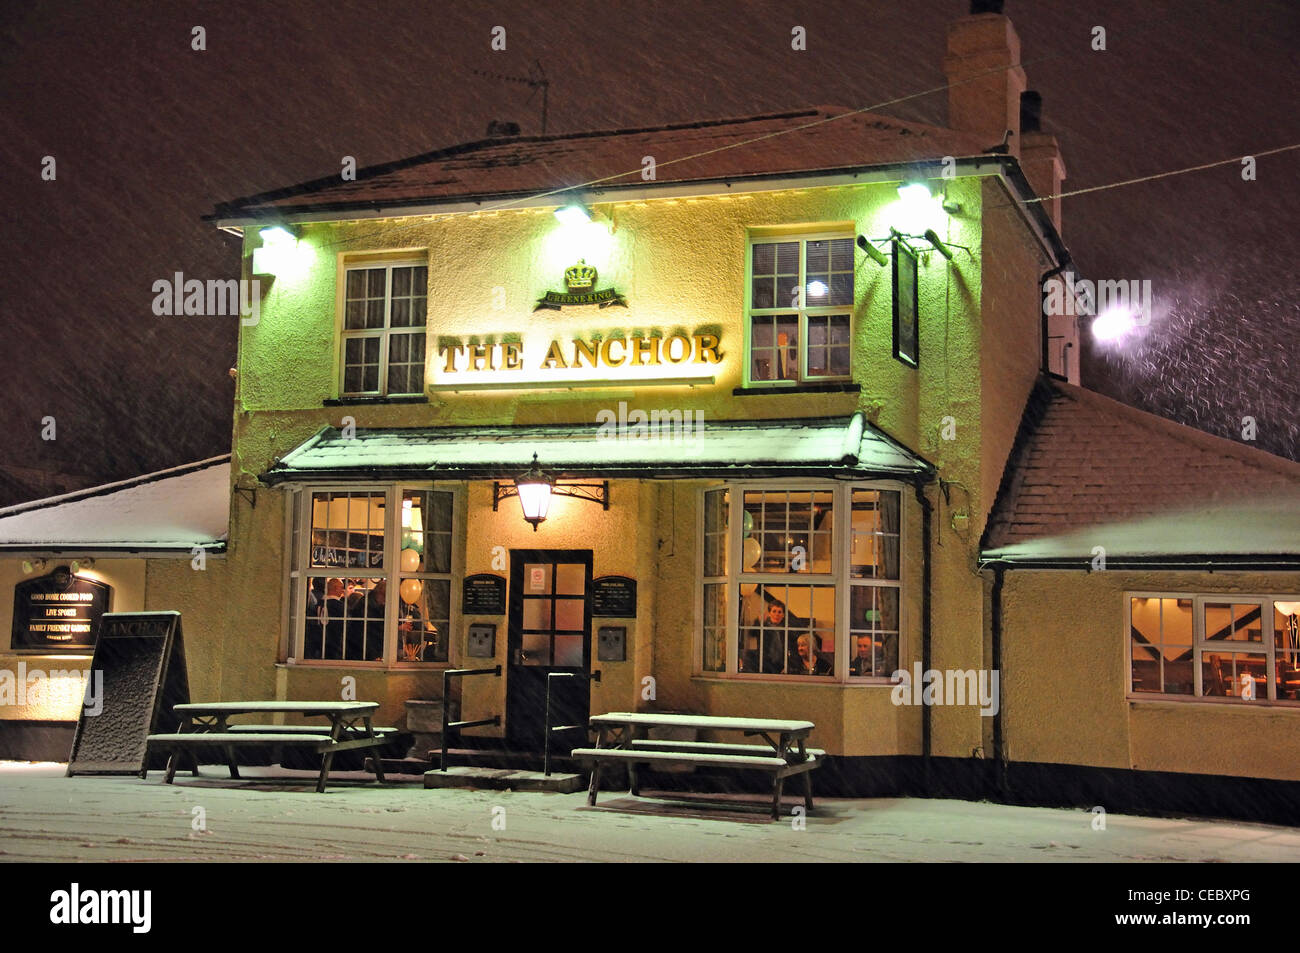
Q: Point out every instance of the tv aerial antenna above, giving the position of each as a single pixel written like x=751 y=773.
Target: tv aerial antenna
x=535 y=80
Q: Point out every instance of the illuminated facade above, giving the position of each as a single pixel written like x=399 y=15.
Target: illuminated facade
x=747 y=437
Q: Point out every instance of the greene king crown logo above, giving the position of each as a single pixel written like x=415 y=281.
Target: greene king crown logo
x=580 y=289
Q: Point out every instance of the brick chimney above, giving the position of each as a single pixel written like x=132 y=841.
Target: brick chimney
x=1040 y=155
x=983 y=66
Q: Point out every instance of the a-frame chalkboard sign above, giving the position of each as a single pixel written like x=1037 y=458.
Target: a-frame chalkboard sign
x=141 y=658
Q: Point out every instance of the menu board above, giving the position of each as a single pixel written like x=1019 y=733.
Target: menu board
x=58 y=611
x=483 y=594
x=614 y=597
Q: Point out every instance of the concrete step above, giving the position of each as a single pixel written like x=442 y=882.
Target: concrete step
x=503 y=779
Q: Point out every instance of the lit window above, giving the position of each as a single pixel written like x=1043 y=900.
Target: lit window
x=384 y=329
x=800 y=304
x=359 y=573
x=771 y=552
x=1215 y=646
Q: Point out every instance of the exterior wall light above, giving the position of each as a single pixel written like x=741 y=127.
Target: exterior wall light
x=278 y=234
x=575 y=213
x=914 y=192
x=536 y=487
x=933 y=238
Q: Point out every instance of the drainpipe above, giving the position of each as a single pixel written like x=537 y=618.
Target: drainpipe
x=925 y=629
x=999 y=755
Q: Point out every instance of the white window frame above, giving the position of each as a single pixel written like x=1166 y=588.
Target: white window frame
x=759 y=237
x=386 y=332
x=1200 y=644
x=298 y=558
x=839 y=577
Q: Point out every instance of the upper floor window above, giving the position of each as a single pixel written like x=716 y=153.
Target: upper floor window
x=800 y=308
x=801 y=580
x=384 y=329
x=1215 y=646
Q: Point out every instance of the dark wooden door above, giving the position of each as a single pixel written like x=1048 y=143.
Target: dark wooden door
x=549 y=630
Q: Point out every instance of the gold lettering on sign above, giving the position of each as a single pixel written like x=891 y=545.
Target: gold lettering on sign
x=587 y=349
x=606 y=351
x=513 y=361
x=645 y=347
x=706 y=349
x=480 y=355
x=554 y=356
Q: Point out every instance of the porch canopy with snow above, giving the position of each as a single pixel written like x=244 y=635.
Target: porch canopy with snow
x=848 y=447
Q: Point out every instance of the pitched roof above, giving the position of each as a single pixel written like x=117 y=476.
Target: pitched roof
x=722 y=149
x=817 y=446
x=1089 y=471
x=170 y=510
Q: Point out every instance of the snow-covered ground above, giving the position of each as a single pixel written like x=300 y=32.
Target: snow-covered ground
x=276 y=815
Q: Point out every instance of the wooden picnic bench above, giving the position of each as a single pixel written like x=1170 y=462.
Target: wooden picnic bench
x=622 y=738
x=204 y=728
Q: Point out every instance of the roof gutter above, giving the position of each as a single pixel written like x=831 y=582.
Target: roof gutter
x=1190 y=562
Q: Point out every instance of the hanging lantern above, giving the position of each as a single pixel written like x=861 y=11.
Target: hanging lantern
x=534 y=489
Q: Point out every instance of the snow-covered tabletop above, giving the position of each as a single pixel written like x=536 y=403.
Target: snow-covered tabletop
x=305 y=708
x=703 y=722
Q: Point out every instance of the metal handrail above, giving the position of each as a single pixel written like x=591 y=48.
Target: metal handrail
x=546 y=750
x=447 y=675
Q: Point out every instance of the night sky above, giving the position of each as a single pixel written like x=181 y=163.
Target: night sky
x=149 y=134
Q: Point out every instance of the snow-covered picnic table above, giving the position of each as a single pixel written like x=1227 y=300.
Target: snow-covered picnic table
x=623 y=737
x=204 y=726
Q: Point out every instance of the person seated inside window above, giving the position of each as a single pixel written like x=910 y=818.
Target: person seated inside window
x=768 y=638
x=870 y=659
x=810 y=661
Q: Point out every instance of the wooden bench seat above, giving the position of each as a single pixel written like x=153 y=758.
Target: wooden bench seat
x=303 y=730
x=316 y=738
x=701 y=754
x=712 y=747
x=680 y=757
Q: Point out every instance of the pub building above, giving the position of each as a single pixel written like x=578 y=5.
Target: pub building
x=770 y=412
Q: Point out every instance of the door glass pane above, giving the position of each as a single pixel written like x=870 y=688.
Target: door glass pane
x=570 y=579
x=537 y=650
x=568 y=650
x=537 y=578
x=568 y=614
x=537 y=614
x=1286 y=628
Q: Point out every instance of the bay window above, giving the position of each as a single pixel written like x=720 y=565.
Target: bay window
x=370 y=574
x=1215 y=646
x=800 y=581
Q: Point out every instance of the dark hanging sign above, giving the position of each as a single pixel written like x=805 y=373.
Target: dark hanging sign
x=906 y=347
x=580 y=289
x=58 y=611
x=483 y=594
x=613 y=597
x=141 y=658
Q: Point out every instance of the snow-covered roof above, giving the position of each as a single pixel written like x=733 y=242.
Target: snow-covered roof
x=824 y=139
x=810 y=447
x=167 y=511
x=1088 y=471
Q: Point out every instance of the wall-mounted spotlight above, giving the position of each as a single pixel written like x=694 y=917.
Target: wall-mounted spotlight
x=575 y=213
x=933 y=238
x=85 y=562
x=279 y=233
x=875 y=254
x=914 y=191
x=34 y=565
